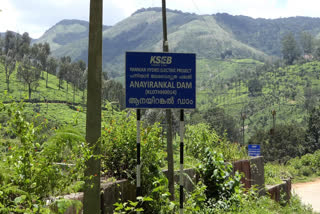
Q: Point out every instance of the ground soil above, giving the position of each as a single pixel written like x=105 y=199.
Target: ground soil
x=309 y=193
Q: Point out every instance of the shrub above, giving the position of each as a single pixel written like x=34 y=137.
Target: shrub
x=217 y=176
x=119 y=155
x=200 y=137
x=32 y=167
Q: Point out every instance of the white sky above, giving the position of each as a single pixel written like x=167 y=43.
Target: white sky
x=37 y=16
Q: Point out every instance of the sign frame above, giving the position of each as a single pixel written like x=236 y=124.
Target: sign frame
x=193 y=81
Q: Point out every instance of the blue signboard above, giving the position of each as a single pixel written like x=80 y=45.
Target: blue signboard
x=160 y=80
x=254 y=150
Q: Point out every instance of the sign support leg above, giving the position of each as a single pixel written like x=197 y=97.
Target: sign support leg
x=138 y=190
x=181 y=159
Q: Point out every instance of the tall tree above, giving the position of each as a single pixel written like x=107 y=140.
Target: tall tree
x=23 y=45
x=9 y=42
x=75 y=75
x=9 y=66
x=313 y=131
x=113 y=91
x=28 y=74
x=281 y=145
x=307 y=42
x=52 y=66
x=83 y=83
x=91 y=200
x=40 y=53
x=1 y=45
x=65 y=68
x=290 y=49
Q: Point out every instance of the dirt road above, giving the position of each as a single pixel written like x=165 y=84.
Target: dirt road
x=309 y=193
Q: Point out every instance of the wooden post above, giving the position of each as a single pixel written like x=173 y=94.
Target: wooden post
x=168 y=111
x=91 y=200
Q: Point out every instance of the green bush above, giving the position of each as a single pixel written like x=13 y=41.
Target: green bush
x=306 y=166
x=276 y=173
x=217 y=176
x=199 y=137
x=33 y=168
x=119 y=155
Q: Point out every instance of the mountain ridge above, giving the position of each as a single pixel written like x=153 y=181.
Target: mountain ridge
x=210 y=36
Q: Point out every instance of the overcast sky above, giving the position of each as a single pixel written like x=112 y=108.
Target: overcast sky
x=36 y=16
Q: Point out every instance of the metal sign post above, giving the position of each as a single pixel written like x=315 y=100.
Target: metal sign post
x=181 y=158
x=138 y=190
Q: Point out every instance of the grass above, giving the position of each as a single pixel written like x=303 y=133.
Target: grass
x=19 y=91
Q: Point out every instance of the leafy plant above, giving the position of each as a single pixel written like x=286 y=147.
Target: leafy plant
x=35 y=169
x=119 y=154
x=217 y=176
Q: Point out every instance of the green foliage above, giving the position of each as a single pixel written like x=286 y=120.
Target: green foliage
x=15 y=200
x=313 y=131
x=276 y=173
x=307 y=42
x=217 y=176
x=35 y=168
x=290 y=49
x=281 y=144
x=131 y=206
x=218 y=120
x=119 y=137
x=62 y=206
x=199 y=138
x=306 y=166
x=266 y=34
x=254 y=87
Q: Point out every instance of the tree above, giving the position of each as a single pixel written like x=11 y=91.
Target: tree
x=9 y=42
x=307 y=42
x=63 y=69
x=75 y=73
x=22 y=45
x=28 y=74
x=218 y=120
x=313 y=131
x=1 y=45
x=9 y=66
x=83 y=83
x=290 y=49
x=255 y=87
x=40 y=53
x=281 y=144
x=52 y=66
x=91 y=198
x=113 y=91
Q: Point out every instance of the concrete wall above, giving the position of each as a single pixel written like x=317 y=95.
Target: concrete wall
x=280 y=192
x=253 y=170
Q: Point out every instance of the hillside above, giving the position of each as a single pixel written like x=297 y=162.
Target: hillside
x=206 y=35
x=143 y=31
x=292 y=91
x=266 y=34
x=56 y=113
x=65 y=34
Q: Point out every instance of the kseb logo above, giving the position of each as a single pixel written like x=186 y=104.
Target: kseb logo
x=161 y=60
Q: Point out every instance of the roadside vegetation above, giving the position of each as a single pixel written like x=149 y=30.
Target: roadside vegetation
x=240 y=101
